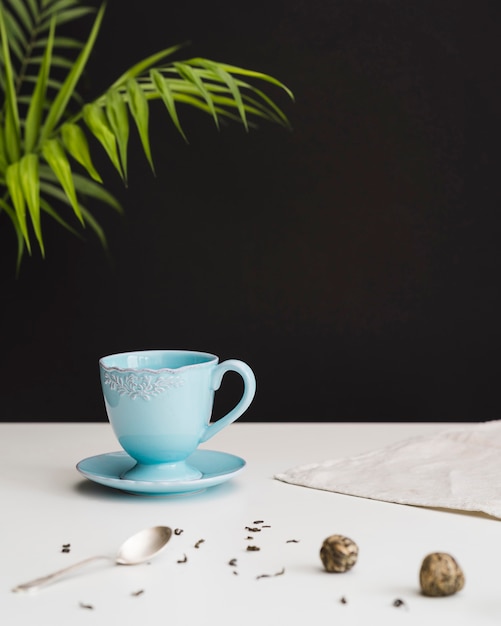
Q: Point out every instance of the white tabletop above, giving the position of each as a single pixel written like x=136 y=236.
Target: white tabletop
x=46 y=503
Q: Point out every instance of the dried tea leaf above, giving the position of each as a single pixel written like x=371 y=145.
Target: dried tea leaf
x=280 y=573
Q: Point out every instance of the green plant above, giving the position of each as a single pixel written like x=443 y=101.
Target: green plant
x=46 y=167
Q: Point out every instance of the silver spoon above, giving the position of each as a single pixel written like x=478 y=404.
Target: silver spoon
x=137 y=549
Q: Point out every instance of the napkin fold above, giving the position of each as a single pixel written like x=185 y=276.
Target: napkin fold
x=457 y=468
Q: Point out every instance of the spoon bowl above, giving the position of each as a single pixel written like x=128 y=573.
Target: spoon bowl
x=144 y=545
x=138 y=548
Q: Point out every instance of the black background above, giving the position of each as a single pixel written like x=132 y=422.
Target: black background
x=353 y=262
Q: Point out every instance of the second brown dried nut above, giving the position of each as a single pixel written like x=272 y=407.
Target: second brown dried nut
x=440 y=575
x=338 y=553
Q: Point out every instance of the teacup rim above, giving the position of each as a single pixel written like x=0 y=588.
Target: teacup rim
x=212 y=358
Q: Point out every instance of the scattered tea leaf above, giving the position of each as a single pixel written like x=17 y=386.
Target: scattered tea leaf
x=178 y=531
x=398 y=602
x=183 y=560
x=280 y=573
x=199 y=543
x=292 y=541
x=137 y=593
x=253 y=549
x=253 y=529
x=83 y=605
x=232 y=562
x=259 y=521
x=343 y=600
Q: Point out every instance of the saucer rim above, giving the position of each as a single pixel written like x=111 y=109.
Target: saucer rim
x=152 y=487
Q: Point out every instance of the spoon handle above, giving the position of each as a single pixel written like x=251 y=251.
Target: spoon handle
x=45 y=580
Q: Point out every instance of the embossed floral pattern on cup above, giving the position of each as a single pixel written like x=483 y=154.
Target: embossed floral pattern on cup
x=143 y=386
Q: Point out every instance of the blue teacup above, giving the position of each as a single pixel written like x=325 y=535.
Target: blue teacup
x=159 y=404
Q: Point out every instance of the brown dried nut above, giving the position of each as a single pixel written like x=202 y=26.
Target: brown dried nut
x=440 y=575
x=338 y=553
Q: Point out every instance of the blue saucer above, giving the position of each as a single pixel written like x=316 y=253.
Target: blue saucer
x=216 y=468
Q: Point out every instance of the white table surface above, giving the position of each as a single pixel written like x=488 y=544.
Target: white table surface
x=46 y=503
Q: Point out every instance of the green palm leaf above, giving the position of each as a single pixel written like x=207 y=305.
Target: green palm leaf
x=17 y=38
x=140 y=111
x=221 y=75
x=75 y=142
x=25 y=18
x=58 y=162
x=59 y=42
x=30 y=187
x=165 y=93
x=64 y=16
x=116 y=112
x=12 y=132
x=98 y=124
x=189 y=74
x=232 y=69
x=13 y=182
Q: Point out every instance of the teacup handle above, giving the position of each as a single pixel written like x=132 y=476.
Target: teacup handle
x=232 y=365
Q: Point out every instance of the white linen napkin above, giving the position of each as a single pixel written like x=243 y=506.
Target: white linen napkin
x=456 y=468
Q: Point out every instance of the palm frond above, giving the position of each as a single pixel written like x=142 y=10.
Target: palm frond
x=46 y=164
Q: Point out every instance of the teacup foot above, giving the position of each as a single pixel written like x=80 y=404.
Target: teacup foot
x=164 y=472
